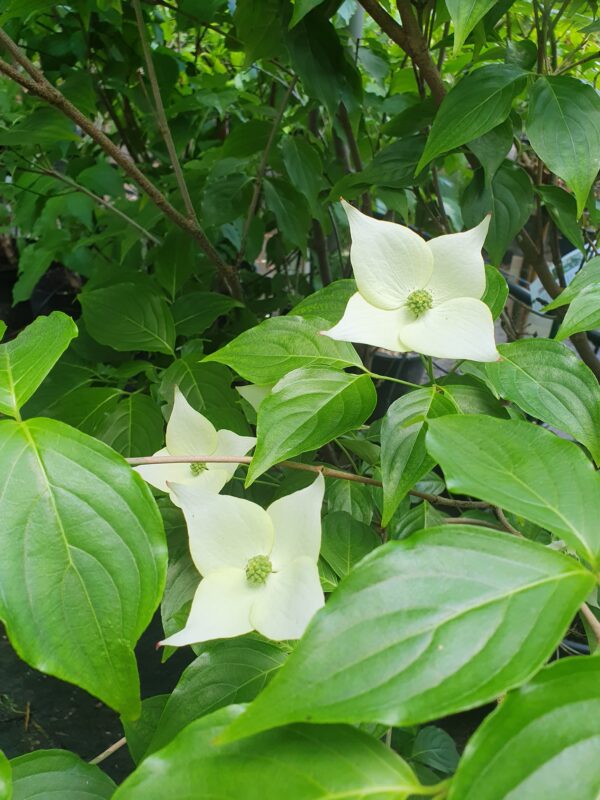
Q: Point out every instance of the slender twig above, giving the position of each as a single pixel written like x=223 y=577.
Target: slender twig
x=592 y=620
x=161 y=117
x=506 y=524
x=39 y=86
x=591 y=57
x=109 y=751
x=470 y=521
x=262 y=169
x=97 y=199
x=326 y=471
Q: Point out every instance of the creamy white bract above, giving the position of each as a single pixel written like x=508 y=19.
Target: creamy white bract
x=259 y=568
x=417 y=295
x=189 y=433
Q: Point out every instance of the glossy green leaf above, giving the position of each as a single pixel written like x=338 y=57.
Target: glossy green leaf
x=194 y=312
x=496 y=290
x=562 y=208
x=404 y=459
x=128 y=316
x=304 y=167
x=509 y=197
x=437 y=623
x=84 y=558
x=290 y=209
x=465 y=14
x=476 y=105
x=231 y=671
x=260 y=26
x=26 y=360
x=307 y=409
x=393 y=167
x=473 y=397
x=548 y=381
x=541 y=742
x=583 y=313
x=587 y=275
x=140 y=731
x=87 y=407
x=269 y=351
x=524 y=469
x=345 y=541
x=134 y=428
x=303 y=762
x=58 y=773
x=493 y=147
x=182 y=575
x=301 y=9
x=354 y=498
x=563 y=125
x=329 y=303
x=207 y=387
x=6 y=791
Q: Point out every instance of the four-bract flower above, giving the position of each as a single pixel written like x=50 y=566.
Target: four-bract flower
x=189 y=433
x=259 y=568
x=417 y=295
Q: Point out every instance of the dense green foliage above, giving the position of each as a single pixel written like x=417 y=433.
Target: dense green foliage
x=171 y=182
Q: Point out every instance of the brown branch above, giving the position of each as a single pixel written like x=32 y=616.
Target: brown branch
x=409 y=37
x=319 y=245
x=39 y=86
x=262 y=169
x=434 y=499
x=506 y=524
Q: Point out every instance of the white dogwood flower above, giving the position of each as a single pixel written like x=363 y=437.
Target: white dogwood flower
x=189 y=433
x=417 y=295
x=259 y=568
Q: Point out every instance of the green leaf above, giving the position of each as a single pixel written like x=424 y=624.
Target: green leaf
x=404 y=459
x=354 y=498
x=303 y=762
x=547 y=380
x=476 y=105
x=524 y=469
x=267 y=352
x=329 y=303
x=260 y=26
x=194 y=312
x=473 y=397
x=290 y=209
x=562 y=208
x=46 y=773
x=304 y=167
x=541 y=741
x=182 y=575
x=25 y=9
x=465 y=14
x=509 y=197
x=319 y=59
x=436 y=749
x=583 y=313
x=134 y=428
x=226 y=672
x=140 y=731
x=83 y=561
x=128 y=316
x=247 y=138
x=175 y=261
x=492 y=148
x=587 y=275
x=301 y=9
x=307 y=409
x=26 y=360
x=86 y=408
x=443 y=621
x=6 y=791
x=496 y=290
x=345 y=541
x=207 y=387
x=393 y=167
x=563 y=125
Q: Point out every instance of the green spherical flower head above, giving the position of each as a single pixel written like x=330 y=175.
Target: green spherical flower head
x=197 y=467
x=419 y=302
x=258 y=570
